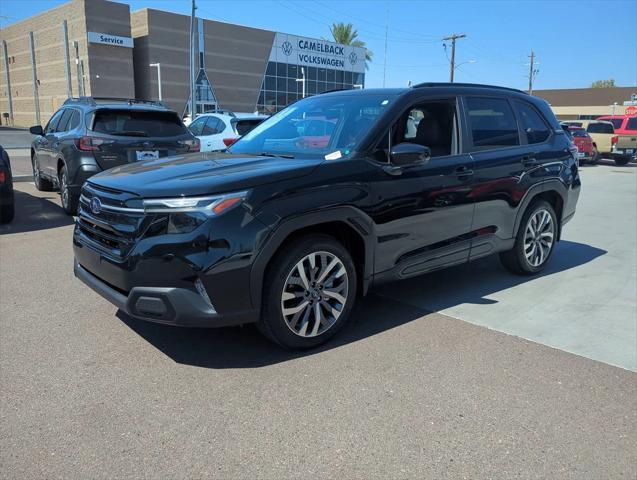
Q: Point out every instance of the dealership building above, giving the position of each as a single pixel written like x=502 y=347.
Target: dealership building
x=99 y=48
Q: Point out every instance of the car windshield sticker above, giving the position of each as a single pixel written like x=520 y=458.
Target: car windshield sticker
x=334 y=155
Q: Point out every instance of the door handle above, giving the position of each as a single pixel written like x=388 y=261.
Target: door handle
x=463 y=171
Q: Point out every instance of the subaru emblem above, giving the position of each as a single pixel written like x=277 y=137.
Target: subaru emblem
x=96 y=205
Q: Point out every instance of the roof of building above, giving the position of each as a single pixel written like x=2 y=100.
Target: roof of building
x=575 y=97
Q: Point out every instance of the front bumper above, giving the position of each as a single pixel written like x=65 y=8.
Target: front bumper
x=172 y=306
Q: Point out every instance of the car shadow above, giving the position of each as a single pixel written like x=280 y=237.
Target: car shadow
x=244 y=347
x=36 y=213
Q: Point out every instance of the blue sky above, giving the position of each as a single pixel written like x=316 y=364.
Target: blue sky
x=576 y=42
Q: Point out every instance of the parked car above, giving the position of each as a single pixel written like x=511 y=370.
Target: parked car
x=217 y=131
x=7 y=203
x=88 y=135
x=625 y=148
x=288 y=234
x=586 y=152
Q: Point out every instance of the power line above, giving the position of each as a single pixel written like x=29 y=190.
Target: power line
x=453 y=39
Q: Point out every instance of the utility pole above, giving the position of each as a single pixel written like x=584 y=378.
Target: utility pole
x=453 y=39
x=193 y=104
x=532 y=72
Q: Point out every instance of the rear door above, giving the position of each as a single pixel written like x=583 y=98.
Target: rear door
x=502 y=165
x=213 y=134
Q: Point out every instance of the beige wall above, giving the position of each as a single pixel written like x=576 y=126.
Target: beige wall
x=572 y=113
x=113 y=65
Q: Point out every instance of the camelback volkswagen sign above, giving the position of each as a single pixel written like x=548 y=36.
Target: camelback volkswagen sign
x=317 y=53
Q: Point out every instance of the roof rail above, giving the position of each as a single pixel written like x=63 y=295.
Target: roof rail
x=94 y=100
x=471 y=85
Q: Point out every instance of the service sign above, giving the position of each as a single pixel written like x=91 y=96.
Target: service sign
x=107 y=39
x=317 y=53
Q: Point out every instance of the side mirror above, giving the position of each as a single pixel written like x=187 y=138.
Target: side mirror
x=36 y=130
x=405 y=154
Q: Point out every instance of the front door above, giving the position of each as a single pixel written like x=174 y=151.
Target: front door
x=423 y=213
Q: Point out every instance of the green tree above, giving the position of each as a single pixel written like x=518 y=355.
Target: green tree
x=610 y=83
x=344 y=33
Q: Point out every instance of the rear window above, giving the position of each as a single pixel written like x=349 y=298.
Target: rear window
x=579 y=133
x=600 y=128
x=138 y=123
x=244 y=126
x=631 y=124
x=617 y=122
x=492 y=123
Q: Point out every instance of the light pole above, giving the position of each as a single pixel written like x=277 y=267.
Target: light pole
x=614 y=106
x=302 y=80
x=158 y=65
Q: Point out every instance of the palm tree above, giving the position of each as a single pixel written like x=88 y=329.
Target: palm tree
x=344 y=33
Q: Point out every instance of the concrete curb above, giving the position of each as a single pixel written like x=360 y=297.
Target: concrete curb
x=22 y=178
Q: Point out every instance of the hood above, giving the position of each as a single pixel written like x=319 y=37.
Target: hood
x=201 y=174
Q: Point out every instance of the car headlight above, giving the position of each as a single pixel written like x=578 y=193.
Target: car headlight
x=209 y=206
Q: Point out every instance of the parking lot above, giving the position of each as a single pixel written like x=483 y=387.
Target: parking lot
x=416 y=386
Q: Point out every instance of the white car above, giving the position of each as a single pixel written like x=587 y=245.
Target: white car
x=217 y=131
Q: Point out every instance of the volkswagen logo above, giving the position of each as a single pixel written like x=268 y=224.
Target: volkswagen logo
x=287 y=48
x=96 y=205
x=353 y=58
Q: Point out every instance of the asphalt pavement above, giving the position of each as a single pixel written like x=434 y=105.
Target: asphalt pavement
x=402 y=392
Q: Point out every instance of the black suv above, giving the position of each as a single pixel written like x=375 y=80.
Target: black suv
x=90 y=134
x=287 y=227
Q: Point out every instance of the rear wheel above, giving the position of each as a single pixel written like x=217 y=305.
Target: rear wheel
x=535 y=240
x=596 y=156
x=621 y=160
x=40 y=182
x=69 y=200
x=309 y=292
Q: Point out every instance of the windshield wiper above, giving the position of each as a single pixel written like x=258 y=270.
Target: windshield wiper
x=130 y=133
x=282 y=155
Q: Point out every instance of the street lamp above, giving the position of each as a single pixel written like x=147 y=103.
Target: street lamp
x=302 y=80
x=158 y=65
x=464 y=63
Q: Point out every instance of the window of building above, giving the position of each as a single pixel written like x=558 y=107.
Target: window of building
x=492 y=123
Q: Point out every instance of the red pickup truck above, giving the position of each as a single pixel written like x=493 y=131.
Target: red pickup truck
x=584 y=144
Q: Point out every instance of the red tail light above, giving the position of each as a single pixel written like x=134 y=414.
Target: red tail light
x=91 y=144
x=3 y=176
x=194 y=145
x=614 y=140
x=229 y=141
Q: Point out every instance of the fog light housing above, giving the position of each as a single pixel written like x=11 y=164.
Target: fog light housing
x=202 y=291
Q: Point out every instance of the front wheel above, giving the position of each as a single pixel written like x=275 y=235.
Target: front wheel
x=309 y=292
x=534 y=242
x=69 y=200
x=40 y=182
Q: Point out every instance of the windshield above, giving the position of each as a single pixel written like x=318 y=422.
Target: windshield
x=317 y=126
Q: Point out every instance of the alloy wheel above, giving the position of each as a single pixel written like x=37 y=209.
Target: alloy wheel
x=314 y=294
x=539 y=237
x=64 y=191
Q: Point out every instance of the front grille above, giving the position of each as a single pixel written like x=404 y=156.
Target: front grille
x=114 y=228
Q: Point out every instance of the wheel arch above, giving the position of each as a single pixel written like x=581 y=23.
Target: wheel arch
x=347 y=225
x=552 y=191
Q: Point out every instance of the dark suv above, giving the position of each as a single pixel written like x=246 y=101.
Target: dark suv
x=287 y=227
x=88 y=135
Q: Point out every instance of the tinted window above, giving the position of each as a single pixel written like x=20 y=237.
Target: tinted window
x=53 y=123
x=196 y=127
x=244 y=126
x=617 y=122
x=75 y=121
x=213 y=126
x=534 y=127
x=600 y=128
x=579 y=133
x=63 y=125
x=492 y=123
x=138 y=123
x=631 y=124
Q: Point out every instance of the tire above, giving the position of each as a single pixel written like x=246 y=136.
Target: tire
x=41 y=183
x=529 y=254
x=286 y=321
x=596 y=156
x=7 y=212
x=621 y=160
x=69 y=201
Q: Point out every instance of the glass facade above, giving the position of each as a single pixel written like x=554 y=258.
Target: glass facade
x=280 y=86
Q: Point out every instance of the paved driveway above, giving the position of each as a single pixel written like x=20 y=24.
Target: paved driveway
x=87 y=392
